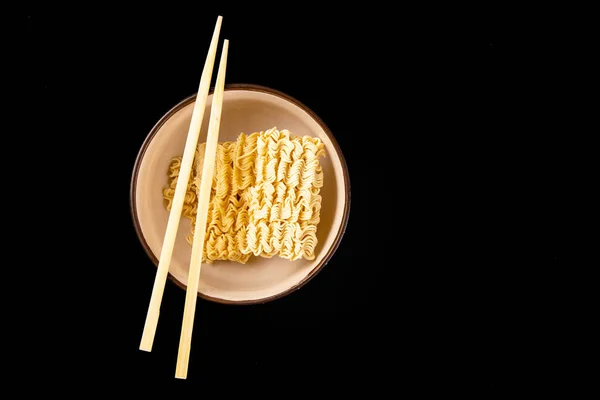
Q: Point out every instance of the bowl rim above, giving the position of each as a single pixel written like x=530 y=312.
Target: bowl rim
x=255 y=88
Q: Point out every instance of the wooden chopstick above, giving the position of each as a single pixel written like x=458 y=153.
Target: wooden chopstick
x=201 y=216
x=180 y=190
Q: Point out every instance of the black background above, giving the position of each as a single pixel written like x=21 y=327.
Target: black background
x=413 y=99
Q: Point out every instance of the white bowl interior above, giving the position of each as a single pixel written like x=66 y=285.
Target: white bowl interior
x=243 y=111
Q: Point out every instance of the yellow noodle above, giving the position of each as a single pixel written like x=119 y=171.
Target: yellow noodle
x=264 y=200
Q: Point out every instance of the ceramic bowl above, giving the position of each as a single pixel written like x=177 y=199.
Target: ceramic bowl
x=248 y=109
